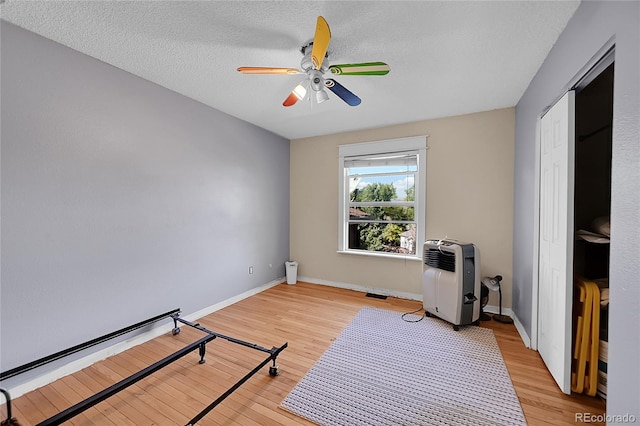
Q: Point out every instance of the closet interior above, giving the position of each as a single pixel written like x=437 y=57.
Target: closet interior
x=592 y=198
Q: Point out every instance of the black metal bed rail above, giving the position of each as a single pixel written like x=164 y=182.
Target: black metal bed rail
x=53 y=357
x=272 y=357
x=84 y=405
x=74 y=410
x=176 y=330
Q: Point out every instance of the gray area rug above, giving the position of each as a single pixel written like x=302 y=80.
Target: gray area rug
x=384 y=371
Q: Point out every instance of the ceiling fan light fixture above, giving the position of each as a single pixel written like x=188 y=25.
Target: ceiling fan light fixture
x=300 y=91
x=321 y=96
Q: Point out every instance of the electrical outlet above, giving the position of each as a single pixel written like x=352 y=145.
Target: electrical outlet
x=250 y=270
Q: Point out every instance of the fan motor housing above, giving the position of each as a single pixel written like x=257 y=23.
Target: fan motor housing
x=306 y=64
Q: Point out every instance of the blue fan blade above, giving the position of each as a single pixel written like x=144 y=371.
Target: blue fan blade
x=342 y=92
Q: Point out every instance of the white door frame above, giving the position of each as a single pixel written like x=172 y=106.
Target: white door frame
x=536 y=241
x=602 y=59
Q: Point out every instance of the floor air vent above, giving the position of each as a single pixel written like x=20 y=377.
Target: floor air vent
x=376 y=296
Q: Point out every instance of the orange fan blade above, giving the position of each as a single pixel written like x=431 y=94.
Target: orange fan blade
x=291 y=99
x=320 y=42
x=296 y=94
x=268 y=70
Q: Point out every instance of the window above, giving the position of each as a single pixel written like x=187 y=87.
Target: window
x=382 y=186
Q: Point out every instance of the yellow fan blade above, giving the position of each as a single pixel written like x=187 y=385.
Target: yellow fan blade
x=320 y=42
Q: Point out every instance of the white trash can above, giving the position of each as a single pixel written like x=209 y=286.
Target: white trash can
x=292 y=271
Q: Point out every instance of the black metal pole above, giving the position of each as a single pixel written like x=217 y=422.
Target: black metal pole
x=222 y=336
x=502 y=318
x=50 y=358
x=73 y=411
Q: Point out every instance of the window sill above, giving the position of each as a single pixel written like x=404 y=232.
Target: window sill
x=383 y=255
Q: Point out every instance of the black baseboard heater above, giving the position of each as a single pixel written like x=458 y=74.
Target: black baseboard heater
x=200 y=344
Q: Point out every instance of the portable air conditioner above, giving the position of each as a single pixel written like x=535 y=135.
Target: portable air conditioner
x=451 y=281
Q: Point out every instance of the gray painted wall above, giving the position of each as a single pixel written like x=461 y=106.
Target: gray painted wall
x=592 y=26
x=122 y=200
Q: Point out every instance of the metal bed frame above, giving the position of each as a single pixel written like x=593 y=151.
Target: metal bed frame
x=200 y=344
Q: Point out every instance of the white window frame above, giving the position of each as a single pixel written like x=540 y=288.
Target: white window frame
x=389 y=146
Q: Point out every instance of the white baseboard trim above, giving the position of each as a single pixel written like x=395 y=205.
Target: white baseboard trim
x=364 y=289
x=519 y=327
x=117 y=348
x=412 y=296
x=523 y=334
x=496 y=310
x=230 y=301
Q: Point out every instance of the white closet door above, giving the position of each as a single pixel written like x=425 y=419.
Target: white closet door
x=555 y=285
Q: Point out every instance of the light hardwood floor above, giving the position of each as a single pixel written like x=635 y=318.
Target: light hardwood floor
x=307 y=316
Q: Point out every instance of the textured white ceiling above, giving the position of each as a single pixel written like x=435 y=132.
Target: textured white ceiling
x=446 y=57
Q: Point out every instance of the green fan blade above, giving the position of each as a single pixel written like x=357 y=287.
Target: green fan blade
x=365 y=68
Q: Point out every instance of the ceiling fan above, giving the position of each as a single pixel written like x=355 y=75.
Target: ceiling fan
x=315 y=63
